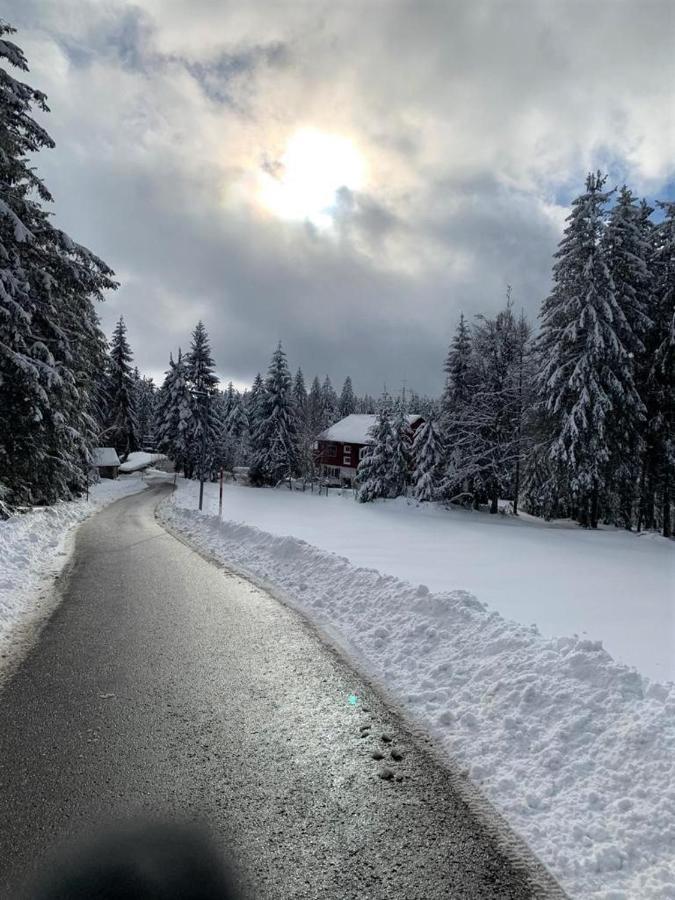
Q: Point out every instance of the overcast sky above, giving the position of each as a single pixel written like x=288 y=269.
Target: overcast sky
x=460 y=130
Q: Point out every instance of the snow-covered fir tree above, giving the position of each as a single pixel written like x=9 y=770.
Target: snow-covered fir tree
x=329 y=404
x=203 y=383
x=121 y=430
x=454 y=405
x=374 y=472
x=347 y=402
x=276 y=450
x=657 y=382
x=486 y=432
x=402 y=450
x=48 y=385
x=315 y=414
x=255 y=412
x=627 y=249
x=585 y=378
x=145 y=400
x=304 y=428
x=428 y=462
x=174 y=418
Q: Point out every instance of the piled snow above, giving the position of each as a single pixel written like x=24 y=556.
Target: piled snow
x=105 y=456
x=577 y=751
x=606 y=585
x=140 y=460
x=33 y=547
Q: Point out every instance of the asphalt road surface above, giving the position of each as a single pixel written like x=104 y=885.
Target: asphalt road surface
x=164 y=685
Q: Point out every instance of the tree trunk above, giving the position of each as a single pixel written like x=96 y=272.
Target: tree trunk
x=594 y=508
x=494 y=502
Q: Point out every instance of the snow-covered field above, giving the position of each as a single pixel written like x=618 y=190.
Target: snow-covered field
x=606 y=585
x=575 y=749
x=34 y=547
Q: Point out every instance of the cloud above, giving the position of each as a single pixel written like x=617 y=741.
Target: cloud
x=477 y=123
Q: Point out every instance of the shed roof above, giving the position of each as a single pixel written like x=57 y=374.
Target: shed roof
x=105 y=456
x=355 y=429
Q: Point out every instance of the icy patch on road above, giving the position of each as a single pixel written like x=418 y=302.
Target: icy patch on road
x=575 y=750
x=34 y=549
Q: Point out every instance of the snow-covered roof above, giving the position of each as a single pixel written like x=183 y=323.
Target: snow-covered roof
x=105 y=456
x=354 y=429
x=140 y=460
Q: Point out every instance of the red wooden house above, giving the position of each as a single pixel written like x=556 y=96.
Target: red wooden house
x=339 y=448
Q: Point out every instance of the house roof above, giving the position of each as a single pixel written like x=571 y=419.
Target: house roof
x=105 y=456
x=354 y=429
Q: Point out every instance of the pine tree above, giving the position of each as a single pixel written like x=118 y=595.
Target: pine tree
x=657 y=382
x=203 y=383
x=175 y=417
x=304 y=429
x=375 y=469
x=329 y=404
x=402 y=450
x=276 y=456
x=254 y=412
x=122 y=425
x=347 y=403
x=627 y=251
x=428 y=459
x=487 y=433
x=51 y=345
x=145 y=398
x=585 y=378
x=315 y=413
x=454 y=404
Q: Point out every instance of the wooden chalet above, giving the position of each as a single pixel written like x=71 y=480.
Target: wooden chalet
x=339 y=448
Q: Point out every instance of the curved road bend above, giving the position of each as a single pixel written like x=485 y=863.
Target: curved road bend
x=163 y=685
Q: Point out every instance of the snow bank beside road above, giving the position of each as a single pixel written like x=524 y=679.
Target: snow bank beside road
x=576 y=751
x=33 y=548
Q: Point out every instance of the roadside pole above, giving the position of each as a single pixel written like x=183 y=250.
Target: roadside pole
x=220 y=496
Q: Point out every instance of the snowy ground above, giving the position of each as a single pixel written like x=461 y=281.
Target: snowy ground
x=606 y=585
x=34 y=547
x=576 y=750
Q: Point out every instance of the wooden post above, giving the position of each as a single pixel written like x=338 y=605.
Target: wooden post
x=220 y=496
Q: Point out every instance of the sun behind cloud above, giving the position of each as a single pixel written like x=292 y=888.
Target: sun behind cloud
x=303 y=184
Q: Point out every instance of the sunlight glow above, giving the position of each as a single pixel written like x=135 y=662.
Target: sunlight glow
x=303 y=185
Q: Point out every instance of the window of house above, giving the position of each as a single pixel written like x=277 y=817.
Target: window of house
x=348 y=455
x=332 y=450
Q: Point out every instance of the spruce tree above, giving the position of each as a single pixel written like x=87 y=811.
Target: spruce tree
x=329 y=404
x=376 y=466
x=276 y=455
x=51 y=345
x=627 y=251
x=585 y=377
x=347 y=403
x=402 y=450
x=174 y=420
x=122 y=426
x=657 y=382
x=454 y=405
x=203 y=384
x=428 y=458
x=315 y=413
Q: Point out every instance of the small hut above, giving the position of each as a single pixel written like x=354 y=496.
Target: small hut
x=106 y=461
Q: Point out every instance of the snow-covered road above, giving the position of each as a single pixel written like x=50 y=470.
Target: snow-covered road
x=166 y=686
